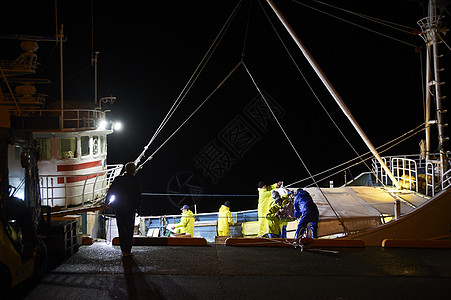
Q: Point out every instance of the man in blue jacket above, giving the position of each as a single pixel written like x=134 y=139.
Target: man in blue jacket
x=307 y=211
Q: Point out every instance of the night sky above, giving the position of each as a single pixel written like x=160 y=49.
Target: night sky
x=148 y=53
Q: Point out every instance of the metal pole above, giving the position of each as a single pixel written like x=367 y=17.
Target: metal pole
x=397 y=209
x=60 y=36
x=96 y=54
x=440 y=111
x=332 y=91
x=427 y=117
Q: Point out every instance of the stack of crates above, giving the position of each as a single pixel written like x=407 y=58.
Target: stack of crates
x=62 y=238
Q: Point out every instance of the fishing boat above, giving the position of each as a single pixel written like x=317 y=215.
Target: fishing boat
x=72 y=135
x=400 y=197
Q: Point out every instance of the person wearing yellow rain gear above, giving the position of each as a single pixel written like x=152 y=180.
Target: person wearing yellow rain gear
x=224 y=219
x=186 y=224
x=274 y=228
x=283 y=224
x=264 y=199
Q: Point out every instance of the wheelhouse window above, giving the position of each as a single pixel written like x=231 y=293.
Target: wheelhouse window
x=102 y=144
x=95 y=145
x=45 y=148
x=67 y=148
x=84 y=145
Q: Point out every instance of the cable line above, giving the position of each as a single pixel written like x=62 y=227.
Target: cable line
x=376 y=20
x=401 y=139
x=196 y=195
x=190 y=116
x=294 y=149
x=360 y=26
x=189 y=84
x=310 y=87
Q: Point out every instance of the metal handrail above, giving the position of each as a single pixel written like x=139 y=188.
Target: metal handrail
x=405 y=168
x=94 y=187
x=430 y=179
x=446 y=180
x=405 y=171
x=83 y=119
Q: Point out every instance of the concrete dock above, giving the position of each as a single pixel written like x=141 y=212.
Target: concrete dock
x=98 y=271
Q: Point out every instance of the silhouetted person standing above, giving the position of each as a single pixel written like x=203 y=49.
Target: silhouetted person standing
x=125 y=198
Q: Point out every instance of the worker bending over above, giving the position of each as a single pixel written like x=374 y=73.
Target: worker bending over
x=307 y=211
x=274 y=228
x=283 y=223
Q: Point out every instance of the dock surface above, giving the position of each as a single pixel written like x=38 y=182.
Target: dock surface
x=98 y=271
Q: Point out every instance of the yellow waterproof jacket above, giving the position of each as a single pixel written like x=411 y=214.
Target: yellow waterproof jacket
x=224 y=220
x=264 y=200
x=186 y=224
x=284 y=202
x=273 y=220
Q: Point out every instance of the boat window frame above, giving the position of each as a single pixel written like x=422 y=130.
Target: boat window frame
x=59 y=148
x=102 y=144
x=83 y=137
x=47 y=148
x=94 y=139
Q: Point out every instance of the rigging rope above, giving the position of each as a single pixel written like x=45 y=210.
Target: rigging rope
x=9 y=89
x=194 y=78
x=376 y=20
x=404 y=137
x=190 y=116
x=311 y=88
x=294 y=149
x=441 y=38
x=247 y=29
x=349 y=22
x=188 y=85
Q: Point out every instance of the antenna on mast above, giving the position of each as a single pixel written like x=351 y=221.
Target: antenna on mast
x=94 y=54
x=94 y=62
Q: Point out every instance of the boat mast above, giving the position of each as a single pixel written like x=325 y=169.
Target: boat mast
x=430 y=26
x=94 y=62
x=333 y=92
x=60 y=37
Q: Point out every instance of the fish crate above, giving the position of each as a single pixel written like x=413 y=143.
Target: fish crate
x=62 y=238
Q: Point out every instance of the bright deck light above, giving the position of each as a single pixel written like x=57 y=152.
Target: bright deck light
x=103 y=124
x=117 y=126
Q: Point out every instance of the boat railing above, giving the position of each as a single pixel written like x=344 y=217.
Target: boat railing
x=429 y=22
x=412 y=172
x=35 y=99
x=66 y=118
x=25 y=63
x=446 y=180
x=406 y=172
x=379 y=171
x=58 y=189
x=388 y=160
x=205 y=223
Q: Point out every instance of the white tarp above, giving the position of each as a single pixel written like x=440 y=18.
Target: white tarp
x=358 y=207
x=355 y=202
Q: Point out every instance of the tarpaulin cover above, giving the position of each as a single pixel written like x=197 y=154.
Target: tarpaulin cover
x=358 y=207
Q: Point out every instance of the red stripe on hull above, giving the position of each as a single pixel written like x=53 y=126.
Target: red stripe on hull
x=87 y=165
x=73 y=179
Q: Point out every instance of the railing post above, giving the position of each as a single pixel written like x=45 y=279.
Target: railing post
x=51 y=182
x=397 y=209
x=94 y=186
x=41 y=184
x=65 y=192
x=83 y=191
